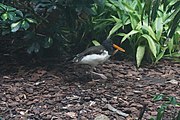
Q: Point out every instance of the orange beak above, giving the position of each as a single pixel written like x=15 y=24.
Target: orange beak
x=117 y=49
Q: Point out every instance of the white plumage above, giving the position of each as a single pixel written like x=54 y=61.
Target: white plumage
x=95 y=59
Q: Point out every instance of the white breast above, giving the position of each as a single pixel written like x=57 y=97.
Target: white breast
x=95 y=59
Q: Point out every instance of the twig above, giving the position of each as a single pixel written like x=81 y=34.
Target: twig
x=142 y=112
x=117 y=111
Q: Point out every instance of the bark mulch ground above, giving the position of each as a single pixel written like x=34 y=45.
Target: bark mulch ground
x=52 y=90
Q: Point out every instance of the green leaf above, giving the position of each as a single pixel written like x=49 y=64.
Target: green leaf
x=160 y=114
x=10 y=9
x=128 y=7
x=150 y=31
x=172 y=100
x=3 y=6
x=111 y=6
x=47 y=42
x=18 y=12
x=170 y=45
x=4 y=16
x=129 y=34
x=140 y=54
x=156 y=4
x=160 y=55
x=159 y=27
x=31 y=20
x=15 y=26
x=25 y=25
x=174 y=25
x=151 y=43
x=147 y=10
x=178 y=117
x=115 y=28
x=158 y=97
x=121 y=34
x=134 y=20
x=96 y=43
x=117 y=20
x=11 y=15
x=174 y=54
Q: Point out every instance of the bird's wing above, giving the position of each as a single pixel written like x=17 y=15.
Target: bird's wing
x=92 y=50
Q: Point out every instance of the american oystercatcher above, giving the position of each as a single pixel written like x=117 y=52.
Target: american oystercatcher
x=96 y=55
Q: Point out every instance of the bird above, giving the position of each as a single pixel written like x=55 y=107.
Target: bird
x=96 y=55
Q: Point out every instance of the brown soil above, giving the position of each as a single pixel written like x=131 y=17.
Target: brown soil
x=55 y=90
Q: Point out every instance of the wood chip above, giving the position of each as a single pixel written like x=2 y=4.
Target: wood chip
x=110 y=107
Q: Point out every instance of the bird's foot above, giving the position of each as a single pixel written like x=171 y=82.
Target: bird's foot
x=101 y=75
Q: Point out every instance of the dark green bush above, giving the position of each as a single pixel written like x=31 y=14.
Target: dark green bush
x=56 y=24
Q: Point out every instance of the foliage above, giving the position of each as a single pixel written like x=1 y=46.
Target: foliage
x=13 y=20
x=57 y=24
x=152 y=27
x=149 y=29
x=169 y=100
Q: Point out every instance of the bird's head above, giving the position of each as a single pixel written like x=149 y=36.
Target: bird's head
x=109 y=46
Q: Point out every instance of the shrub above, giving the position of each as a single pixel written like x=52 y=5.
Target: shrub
x=152 y=27
x=55 y=24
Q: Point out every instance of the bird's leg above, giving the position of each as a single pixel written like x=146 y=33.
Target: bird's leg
x=91 y=72
x=101 y=75
x=95 y=73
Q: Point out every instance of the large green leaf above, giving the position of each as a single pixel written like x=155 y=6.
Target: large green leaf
x=156 y=4
x=159 y=27
x=117 y=20
x=129 y=34
x=160 y=55
x=10 y=9
x=140 y=54
x=96 y=43
x=11 y=15
x=15 y=26
x=174 y=25
x=111 y=6
x=115 y=28
x=134 y=20
x=31 y=20
x=25 y=25
x=2 y=6
x=170 y=45
x=19 y=13
x=158 y=97
x=150 y=31
x=173 y=5
x=129 y=8
x=146 y=10
x=151 y=43
x=4 y=16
